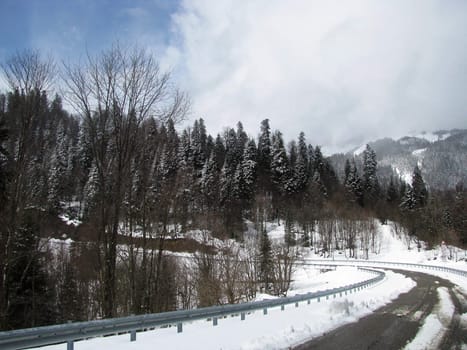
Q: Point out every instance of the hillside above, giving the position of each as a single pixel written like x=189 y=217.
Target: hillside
x=441 y=155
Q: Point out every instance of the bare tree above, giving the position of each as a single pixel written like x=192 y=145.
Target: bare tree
x=114 y=93
x=285 y=258
x=27 y=71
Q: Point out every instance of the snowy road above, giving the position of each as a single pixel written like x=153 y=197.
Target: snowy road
x=406 y=321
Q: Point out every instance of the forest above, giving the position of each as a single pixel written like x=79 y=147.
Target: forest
x=117 y=163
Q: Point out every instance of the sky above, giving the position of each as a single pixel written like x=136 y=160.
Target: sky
x=343 y=72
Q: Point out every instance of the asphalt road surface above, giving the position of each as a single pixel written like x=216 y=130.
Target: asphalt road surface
x=396 y=324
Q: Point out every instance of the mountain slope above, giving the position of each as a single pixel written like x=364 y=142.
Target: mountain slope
x=442 y=157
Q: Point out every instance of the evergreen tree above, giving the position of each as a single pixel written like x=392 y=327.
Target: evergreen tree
x=301 y=165
x=30 y=294
x=392 y=195
x=210 y=182
x=265 y=259
x=419 y=189
x=58 y=170
x=249 y=171
x=242 y=139
x=459 y=220
x=264 y=157
x=264 y=146
x=370 y=184
x=219 y=151
x=198 y=144
x=353 y=185
x=280 y=172
x=408 y=202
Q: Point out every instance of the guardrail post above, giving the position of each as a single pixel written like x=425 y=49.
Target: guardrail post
x=70 y=344
x=265 y=311
x=214 y=321
x=133 y=335
x=242 y=316
x=179 y=327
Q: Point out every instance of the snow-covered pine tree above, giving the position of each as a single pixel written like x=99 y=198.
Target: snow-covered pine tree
x=353 y=185
x=419 y=188
x=370 y=181
x=219 y=151
x=242 y=139
x=57 y=170
x=280 y=171
x=249 y=171
x=210 y=182
x=301 y=165
x=408 y=201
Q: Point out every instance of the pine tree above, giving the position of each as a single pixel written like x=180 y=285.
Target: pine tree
x=392 y=195
x=265 y=259
x=58 y=169
x=210 y=182
x=301 y=165
x=198 y=144
x=264 y=146
x=370 y=184
x=249 y=171
x=419 y=189
x=460 y=213
x=219 y=151
x=264 y=158
x=242 y=139
x=409 y=201
x=30 y=293
x=353 y=185
x=280 y=172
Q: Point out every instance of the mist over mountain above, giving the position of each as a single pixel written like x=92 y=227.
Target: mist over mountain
x=441 y=156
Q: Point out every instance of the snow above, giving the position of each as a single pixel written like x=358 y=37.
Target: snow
x=431 y=137
x=283 y=329
x=405 y=176
x=419 y=152
x=67 y=220
x=435 y=325
x=277 y=330
x=359 y=150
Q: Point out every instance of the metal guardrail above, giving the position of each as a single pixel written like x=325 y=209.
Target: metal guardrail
x=375 y=264
x=70 y=332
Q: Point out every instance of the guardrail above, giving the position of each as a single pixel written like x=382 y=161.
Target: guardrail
x=375 y=264
x=70 y=332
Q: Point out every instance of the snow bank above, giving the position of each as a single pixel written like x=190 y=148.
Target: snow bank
x=277 y=330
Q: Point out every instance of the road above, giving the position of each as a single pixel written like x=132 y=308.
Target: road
x=396 y=324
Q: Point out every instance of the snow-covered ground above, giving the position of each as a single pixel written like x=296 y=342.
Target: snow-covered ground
x=283 y=329
x=276 y=330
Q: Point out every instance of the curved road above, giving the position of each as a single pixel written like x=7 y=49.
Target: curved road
x=396 y=324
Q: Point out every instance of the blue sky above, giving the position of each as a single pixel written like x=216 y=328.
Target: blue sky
x=344 y=72
x=68 y=28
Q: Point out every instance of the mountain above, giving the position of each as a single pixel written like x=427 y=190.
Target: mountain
x=441 y=155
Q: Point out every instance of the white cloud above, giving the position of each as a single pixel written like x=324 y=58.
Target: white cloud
x=343 y=72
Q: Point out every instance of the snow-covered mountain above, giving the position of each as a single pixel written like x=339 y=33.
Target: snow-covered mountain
x=441 y=155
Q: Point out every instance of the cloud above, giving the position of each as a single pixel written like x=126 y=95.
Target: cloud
x=343 y=72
